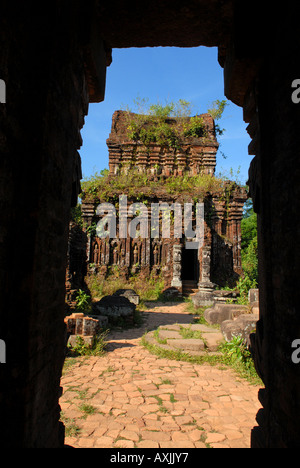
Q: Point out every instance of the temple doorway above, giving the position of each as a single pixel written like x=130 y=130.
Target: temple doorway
x=189 y=271
x=190 y=265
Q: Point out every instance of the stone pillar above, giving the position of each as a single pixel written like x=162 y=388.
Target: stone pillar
x=127 y=152
x=177 y=266
x=181 y=163
x=259 y=72
x=235 y=216
x=114 y=158
x=88 y=212
x=168 y=163
x=204 y=297
x=142 y=160
x=154 y=160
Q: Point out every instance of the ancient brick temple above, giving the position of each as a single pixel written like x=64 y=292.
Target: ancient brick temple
x=218 y=260
x=195 y=155
x=54 y=56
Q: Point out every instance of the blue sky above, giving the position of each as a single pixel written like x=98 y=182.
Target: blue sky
x=160 y=74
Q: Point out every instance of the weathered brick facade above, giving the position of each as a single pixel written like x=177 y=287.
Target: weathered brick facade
x=53 y=61
x=195 y=155
x=221 y=224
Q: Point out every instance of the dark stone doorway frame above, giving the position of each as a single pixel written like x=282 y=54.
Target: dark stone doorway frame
x=43 y=57
x=190 y=265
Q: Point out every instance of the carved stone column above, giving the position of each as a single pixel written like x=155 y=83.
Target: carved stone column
x=177 y=266
x=88 y=212
x=204 y=297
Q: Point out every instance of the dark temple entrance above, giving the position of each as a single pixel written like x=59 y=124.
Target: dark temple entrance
x=189 y=271
x=189 y=265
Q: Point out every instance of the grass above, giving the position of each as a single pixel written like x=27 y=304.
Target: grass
x=87 y=409
x=188 y=334
x=141 y=187
x=244 y=368
x=149 y=289
x=197 y=312
x=71 y=428
x=159 y=340
x=69 y=362
x=162 y=408
x=165 y=382
x=83 y=349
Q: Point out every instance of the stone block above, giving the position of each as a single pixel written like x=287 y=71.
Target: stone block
x=230 y=329
x=103 y=320
x=204 y=297
x=171 y=292
x=201 y=328
x=114 y=307
x=73 y=340
x=168 y=334
x=174 y=326
x=221 y=312
x=221 y=296
x=253 y=297
x=130 y=294
x=90 y=326
x=188 y=345
x=212 y=340
x=243 y=326
x=79 y=324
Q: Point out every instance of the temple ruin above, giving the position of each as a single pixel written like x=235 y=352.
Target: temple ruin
x=217 y=260
x=54 y=60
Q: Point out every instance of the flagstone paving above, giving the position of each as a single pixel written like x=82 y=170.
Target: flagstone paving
x=130 y=398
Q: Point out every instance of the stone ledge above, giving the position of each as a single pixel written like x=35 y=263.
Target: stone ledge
x=221 y=312
x=208 y=344
x=235 y=320
x=88 y=340
x=129 y=294
x=80 y=324
x=243 y=326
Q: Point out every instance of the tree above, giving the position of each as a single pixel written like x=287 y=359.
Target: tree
x=248 y=226
x=216 y=112
x=249 y=253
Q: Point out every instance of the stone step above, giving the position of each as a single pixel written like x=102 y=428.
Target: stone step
x=170 y=338
x=189 y=287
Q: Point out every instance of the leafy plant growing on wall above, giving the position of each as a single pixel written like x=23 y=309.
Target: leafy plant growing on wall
x=159 y=123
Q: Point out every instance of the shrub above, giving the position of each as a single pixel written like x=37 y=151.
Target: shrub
x=238 y=356
x=83 y=301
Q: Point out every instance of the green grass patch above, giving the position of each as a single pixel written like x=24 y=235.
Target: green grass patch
x=71 y=428
x=244 y=367
x=83 y=349
x=87 y=409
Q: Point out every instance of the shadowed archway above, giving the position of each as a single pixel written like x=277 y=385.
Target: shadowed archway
x=53 y=62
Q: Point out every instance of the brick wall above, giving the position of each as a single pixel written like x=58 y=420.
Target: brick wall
x=39 y=136
x=277 y=203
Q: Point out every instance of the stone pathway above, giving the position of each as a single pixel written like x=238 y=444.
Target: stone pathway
x=130 y=398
